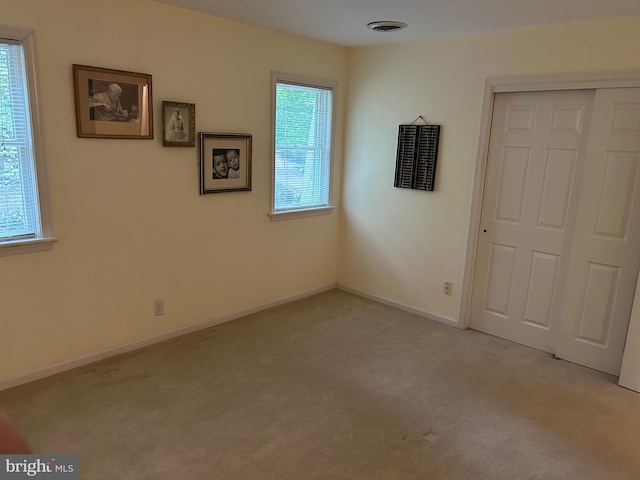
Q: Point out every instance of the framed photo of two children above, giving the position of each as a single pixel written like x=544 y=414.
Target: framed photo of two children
x=225 y=162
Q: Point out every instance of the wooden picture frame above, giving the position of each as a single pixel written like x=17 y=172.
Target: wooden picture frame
x=225 y=162
x=178 y=124
x=112 y=103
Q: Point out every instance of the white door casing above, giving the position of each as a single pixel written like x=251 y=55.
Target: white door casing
x=536 y=152
x=630 y=371
x=605 y=252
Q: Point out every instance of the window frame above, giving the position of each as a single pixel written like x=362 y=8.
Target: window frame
x=281 y=77
x=44 y=238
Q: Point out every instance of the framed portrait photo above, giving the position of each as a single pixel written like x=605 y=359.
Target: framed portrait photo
x=225 y=162
x=112 y=103
x=178 y=124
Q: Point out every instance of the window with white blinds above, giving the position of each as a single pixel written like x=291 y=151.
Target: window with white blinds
x=303 y=126
x=19 y=215
x=25 y=224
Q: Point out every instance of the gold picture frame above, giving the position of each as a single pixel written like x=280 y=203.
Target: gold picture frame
x=112 y=103
x=178 y=124
x=225 y=162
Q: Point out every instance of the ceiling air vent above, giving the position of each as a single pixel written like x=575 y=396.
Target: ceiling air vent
x=386 y=26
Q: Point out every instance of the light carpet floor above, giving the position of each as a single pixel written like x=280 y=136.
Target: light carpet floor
x=334 y=387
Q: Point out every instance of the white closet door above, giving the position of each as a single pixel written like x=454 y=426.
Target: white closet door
x=537 y=147
x=605 y=252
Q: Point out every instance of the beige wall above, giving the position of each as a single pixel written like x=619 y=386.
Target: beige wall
x=131 y=224
x=402 y=244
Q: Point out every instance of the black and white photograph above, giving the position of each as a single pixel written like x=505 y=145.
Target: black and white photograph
x=112 y=103
x=225 y=162
x=179 y=124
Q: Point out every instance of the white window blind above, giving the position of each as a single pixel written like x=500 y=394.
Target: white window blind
x=19 y=216
x=303 y=125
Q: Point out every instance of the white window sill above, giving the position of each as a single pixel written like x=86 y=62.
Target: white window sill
x=308 y=212
x=31 y=245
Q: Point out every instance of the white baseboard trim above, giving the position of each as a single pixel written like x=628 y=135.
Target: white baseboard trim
x=145 y=342
x=401 y=306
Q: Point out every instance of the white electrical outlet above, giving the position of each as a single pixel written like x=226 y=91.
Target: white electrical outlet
x=158 y=307
x=448 y=288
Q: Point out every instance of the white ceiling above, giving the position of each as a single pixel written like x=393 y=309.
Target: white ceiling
x=344 y=21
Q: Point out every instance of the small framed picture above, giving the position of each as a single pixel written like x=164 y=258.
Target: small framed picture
x=179 y=124
x=225 y=162
x=112 y=103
